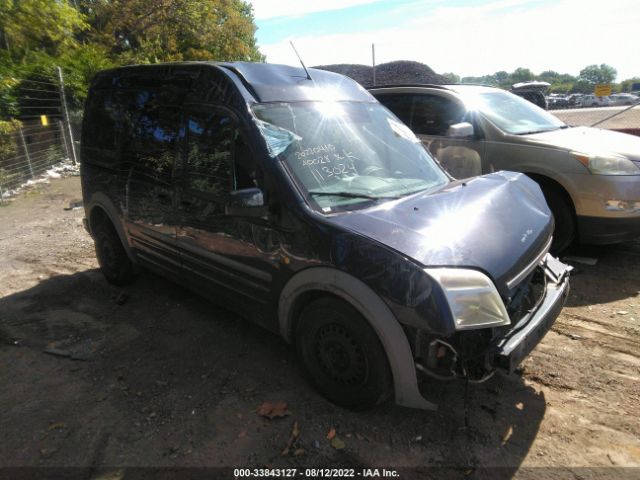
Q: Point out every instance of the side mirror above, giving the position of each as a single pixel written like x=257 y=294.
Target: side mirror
x=247 y=202
x=460 y=130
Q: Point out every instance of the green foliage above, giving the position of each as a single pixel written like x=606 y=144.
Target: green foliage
x=44 y=25
x=86 y=36
x=560 y=82
x=598 y=74
x=147 y=31
x=626 y=85
x=451 y=77
x=8 y=146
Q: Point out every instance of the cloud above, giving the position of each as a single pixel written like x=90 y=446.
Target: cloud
x=264 y=9
x=564 y=36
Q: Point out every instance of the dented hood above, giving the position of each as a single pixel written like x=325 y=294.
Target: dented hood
x=497 y=223
x=590 y=141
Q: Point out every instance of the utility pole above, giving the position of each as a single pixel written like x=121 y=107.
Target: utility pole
x=65 y=116
x=373 y=61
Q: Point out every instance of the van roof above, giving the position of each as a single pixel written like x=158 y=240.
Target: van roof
x=268 y=82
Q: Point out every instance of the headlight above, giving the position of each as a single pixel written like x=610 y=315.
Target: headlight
x=473 y=298
x=607 y=164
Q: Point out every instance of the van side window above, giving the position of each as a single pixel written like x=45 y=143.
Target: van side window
x=153 y=140
x=247 y=172
x=399 y=104
x=105 y=115
x=209 y=152
x=433 y=115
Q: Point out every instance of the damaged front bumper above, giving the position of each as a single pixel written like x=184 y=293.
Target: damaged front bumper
x=477 y=354
x=514 y=348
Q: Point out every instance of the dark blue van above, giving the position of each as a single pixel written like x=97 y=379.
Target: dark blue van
x=297 y=200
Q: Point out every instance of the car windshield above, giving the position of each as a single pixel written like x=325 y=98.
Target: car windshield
x=346 y=155
x=514 y=114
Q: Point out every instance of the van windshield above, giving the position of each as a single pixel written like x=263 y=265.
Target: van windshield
x=347 y=154
x=514 y=114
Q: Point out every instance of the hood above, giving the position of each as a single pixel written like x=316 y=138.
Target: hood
x=590 y=141
x=497 y=223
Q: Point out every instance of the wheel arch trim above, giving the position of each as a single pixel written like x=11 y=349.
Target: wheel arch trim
x=373 y=309
x=103 y=202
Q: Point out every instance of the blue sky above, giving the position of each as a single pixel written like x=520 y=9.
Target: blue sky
x=468 y=37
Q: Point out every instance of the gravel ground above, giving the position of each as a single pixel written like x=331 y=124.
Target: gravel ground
x=97 y=377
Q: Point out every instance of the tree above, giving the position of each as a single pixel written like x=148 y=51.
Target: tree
x=521 y=75
x=39 y=25
x=598 y=74
x=626 y=85
x=450 y=77
x=143 y=31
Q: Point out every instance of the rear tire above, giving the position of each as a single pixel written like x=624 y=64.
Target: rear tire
x=565 y=221
x=343 y=355
x=114 y=262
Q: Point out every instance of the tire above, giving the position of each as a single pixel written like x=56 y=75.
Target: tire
x=565 y=221
x=343 y=355
x=114 y=262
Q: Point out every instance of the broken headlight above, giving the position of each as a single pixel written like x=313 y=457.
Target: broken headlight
x=473 y=299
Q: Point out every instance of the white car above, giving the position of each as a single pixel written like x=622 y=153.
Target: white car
x=593 y=101
x=623 y=99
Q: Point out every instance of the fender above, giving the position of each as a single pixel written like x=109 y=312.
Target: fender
x=100 y=200
x=374 y=310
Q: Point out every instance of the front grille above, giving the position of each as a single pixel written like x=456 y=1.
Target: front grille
x=526 y=296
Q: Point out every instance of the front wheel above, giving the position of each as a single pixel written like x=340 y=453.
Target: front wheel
x=114 y=262
x=565 y=222
x=343 y=354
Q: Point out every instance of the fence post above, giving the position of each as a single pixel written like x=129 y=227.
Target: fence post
x=26 y=152
x=65 y=116
x=64 y=138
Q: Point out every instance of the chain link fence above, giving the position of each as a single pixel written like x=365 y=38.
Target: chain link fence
x=42 y=138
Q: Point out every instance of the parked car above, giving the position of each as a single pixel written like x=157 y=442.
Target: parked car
x=587 y=101
x=590 y=177
x=297 y=200
x=532 y=91
x=556 y=102
x=623 y=99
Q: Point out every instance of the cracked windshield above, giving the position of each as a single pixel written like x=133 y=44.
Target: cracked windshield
x=345 y=154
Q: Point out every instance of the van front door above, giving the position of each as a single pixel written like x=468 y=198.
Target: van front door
x=149 y=154
x=228 y=257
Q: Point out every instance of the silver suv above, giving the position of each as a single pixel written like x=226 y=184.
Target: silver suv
x=590 y=177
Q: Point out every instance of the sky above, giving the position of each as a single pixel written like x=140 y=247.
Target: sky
x=466 y=37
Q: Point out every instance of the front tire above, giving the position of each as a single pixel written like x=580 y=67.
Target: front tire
x=343 y=354
x=565 y=221
x=114 y=262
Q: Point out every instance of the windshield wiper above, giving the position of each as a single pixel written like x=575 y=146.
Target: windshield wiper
x=353 y=195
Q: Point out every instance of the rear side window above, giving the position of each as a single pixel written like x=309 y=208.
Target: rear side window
x=103 y=118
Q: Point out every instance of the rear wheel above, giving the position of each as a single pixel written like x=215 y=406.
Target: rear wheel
x=114 y=262
x=343 y=354
x=565 y=222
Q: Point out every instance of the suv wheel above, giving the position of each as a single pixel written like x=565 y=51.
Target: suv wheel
x=343 y=354
x=565 y=222
x=114 y=262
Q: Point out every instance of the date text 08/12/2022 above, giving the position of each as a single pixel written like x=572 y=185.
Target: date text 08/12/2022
x=315 y=473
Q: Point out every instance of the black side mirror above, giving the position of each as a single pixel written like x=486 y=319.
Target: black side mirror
x=247 y=202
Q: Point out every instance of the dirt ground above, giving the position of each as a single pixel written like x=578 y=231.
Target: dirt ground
x=152 y=375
